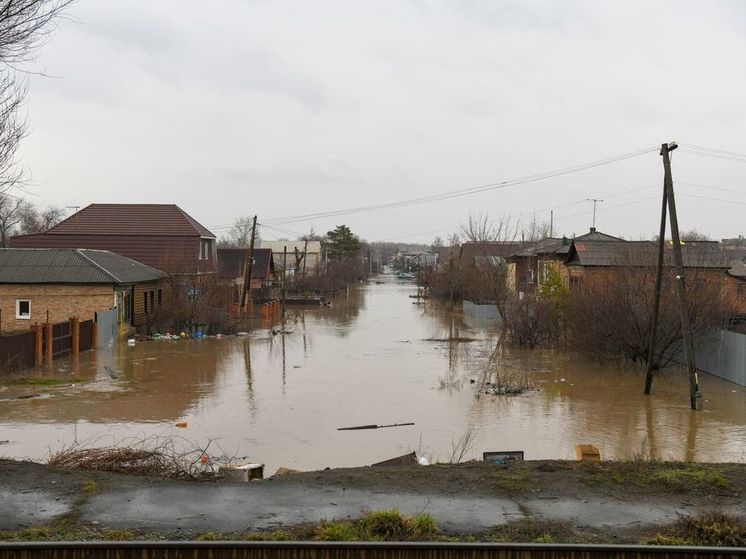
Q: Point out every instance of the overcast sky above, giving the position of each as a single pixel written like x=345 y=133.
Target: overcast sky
x=233 y=107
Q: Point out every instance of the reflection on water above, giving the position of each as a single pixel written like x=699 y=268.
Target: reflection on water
x=374 y=358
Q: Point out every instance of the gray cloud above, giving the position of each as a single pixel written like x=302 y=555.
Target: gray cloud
x=292 y=107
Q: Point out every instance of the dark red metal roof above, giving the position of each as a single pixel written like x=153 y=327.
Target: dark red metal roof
x=131 y=219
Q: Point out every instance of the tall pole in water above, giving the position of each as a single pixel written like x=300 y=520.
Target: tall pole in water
x=248 y=269
x=695 y=396
x=284 y=279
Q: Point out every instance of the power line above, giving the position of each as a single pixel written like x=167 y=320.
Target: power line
x=713 y=150
x=713 y=199
x=461 y=192
x=707 y=187
x=716 y=155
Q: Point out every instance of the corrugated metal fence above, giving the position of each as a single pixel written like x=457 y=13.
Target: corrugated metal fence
x=350 y=550
x=723 y=354
x=17 y=351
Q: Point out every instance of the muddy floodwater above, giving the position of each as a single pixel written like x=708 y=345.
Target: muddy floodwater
x=376 y=357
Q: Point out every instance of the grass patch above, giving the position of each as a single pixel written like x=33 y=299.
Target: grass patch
x=276 y=536
x=669 y=476
x=530 y=531
x=117 y=535
x=512 y=479
x=209 y=537
x=423 y=526
x=90 y=487
x=386 y=525
x=706 y=529
x=337 y=532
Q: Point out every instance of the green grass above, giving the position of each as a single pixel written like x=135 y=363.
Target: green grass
x=385 y=525
x=512 y=480
x=276 y=536
x=706 y=529
x=90 y=487
x=337 y=532
x=209 y=537
x=673 y=477
x=423 y=526
x=530 y=531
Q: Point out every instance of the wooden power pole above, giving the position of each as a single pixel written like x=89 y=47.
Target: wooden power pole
x=695 y=396
x=248 y=269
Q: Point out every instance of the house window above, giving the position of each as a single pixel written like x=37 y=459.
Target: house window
x=530 y=277
x=576 y=283
x=160 y=297
x=23 y=309
x=205 y=249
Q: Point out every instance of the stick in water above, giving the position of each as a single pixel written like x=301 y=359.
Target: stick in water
x=361 y=427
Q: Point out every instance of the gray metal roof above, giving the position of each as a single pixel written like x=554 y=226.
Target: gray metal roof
x=697 y=254
x=45 y=265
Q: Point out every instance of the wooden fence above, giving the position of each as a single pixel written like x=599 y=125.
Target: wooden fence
x=44 y=343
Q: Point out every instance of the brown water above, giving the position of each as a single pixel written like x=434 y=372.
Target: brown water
x=371 y=359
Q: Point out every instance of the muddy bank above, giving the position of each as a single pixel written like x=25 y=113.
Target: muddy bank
x=569 y=501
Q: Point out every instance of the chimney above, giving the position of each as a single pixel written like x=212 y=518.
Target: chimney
x=593 y=229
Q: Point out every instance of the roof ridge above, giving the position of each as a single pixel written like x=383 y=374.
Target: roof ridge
x=97 y=265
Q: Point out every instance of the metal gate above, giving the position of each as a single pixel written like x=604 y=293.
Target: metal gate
x=106 y=327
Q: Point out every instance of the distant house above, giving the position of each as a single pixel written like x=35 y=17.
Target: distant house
x=600 y=261
x=231 y=266
x=159 y=235
x=529 y=265
x=295 y=256
x=488 y=251
x=37 y=285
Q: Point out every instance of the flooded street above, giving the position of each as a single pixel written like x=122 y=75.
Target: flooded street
x=375 y=358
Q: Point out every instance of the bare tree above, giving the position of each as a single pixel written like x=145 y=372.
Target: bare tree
x=239 y=236
x=491 y=242
x=24 y=26
x=35 y=220
x=11 y=214
x=609 y=314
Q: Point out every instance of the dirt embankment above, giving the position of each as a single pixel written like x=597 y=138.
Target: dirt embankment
x=548 y=501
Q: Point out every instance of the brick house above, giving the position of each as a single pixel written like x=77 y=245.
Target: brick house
x=40 y=285
x=159 y=235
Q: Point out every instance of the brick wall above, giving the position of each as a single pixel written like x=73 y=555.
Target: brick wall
x=62 y=302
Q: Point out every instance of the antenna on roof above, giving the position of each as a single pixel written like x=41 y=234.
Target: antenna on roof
x=76 y=208
x=595 y=201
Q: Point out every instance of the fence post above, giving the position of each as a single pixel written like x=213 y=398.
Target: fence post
x=38 y=333
x=75 y=334
x=48 y=336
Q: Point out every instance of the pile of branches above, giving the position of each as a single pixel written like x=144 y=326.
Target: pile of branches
x=153 y=456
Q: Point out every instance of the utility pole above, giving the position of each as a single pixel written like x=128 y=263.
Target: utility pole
x=695 y=396
x=284 y=279
x=305 y=257
x=595 y=201
x=551 y=223
x=248 y=269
